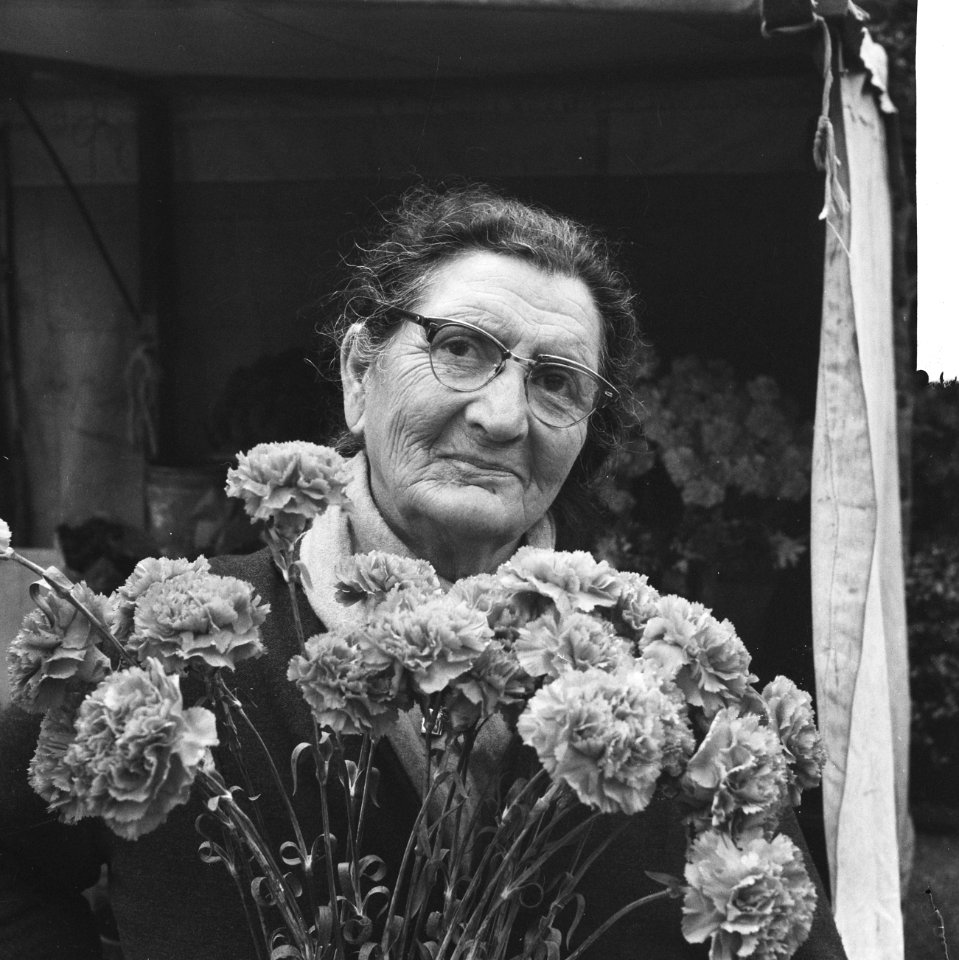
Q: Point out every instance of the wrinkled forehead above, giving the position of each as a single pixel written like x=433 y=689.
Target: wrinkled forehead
x=526 y=306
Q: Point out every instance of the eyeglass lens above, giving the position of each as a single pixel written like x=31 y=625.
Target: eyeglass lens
x=466 y=359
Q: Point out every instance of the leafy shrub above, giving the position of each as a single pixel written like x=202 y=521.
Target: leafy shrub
x=935 y=461
x=932 y=592
x=932 y=603
x=722 y=484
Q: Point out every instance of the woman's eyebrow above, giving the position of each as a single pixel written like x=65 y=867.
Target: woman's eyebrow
x=572 y=349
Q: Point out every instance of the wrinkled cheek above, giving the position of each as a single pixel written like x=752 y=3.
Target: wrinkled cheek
x=553 y=460
x=400 y=450
x=402 y=424
x=404 y=435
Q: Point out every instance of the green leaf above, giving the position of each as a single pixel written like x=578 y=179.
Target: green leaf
x=298 y=751
x=302 y=573
x=323 y=928
x=352 y=776
x=261 y=892
x=211 y=852
x=372 y=868
x=427 y=951
x=578 y=912
x=673 y=884
x=290 y=859
x=345 y=880
x=293 y=882
x=358 y=930
x=285 y=952
x=53 y=575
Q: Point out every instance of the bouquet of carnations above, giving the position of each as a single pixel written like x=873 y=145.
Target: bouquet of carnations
x=621 y=693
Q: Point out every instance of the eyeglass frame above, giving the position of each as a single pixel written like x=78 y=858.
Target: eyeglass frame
x=433 y=325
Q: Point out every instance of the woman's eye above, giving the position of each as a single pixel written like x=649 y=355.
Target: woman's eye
x=460 y=346
x=556 y=380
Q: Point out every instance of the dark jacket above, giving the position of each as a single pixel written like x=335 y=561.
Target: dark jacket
x=171 y=906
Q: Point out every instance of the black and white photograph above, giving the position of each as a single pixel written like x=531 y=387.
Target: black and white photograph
x=476 y=482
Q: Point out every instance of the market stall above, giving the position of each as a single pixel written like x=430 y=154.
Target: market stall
x=178 y=182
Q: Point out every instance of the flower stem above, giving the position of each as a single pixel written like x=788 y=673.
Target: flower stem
x=289 y=570
x=618 y=915
x=365 y=763
x=491 y=886
x=262 y=942
x=404 y=866
x=231 y=702
x=328 y=842
x=66 y=593
x=283 y=897
x=295 y=607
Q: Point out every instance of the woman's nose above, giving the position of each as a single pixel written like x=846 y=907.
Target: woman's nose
x=500 y=408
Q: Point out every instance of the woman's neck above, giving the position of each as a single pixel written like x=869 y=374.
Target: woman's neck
x=455 y=558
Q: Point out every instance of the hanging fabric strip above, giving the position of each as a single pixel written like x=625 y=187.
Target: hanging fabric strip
x=843 y=522
x=835 y=204
x=785 y=18
x=856 y=540
x=873 y=814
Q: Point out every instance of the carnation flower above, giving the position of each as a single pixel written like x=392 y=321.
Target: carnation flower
x=737 y=778
x=373 y=575
x=756 y=901
x=435 y=640
x=604 y=734
x=493 y=681
x=198 y=619
x=791 y=715
x=680 y=742
x=5 y=536
x=55 y=653
x=482 y=591
x=705 y=656
x=345 y=693
x=572 y=580
x=486 y=592
x=48 y=774
x=288 y=483
x=135 y=754
x=638 y=601
x=552 y=644
x=146 y=573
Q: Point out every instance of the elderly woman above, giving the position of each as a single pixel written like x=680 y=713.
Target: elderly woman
x=486 y=347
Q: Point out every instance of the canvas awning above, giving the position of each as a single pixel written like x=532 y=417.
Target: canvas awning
x=401 y=39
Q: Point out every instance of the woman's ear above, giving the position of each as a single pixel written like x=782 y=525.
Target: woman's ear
x=353 y=372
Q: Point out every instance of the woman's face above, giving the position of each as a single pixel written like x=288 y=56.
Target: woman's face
x=449 y=470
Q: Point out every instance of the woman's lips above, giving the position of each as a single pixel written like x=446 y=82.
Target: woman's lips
x=483 y=465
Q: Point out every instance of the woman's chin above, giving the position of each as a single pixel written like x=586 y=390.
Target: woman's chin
x=473 y=513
